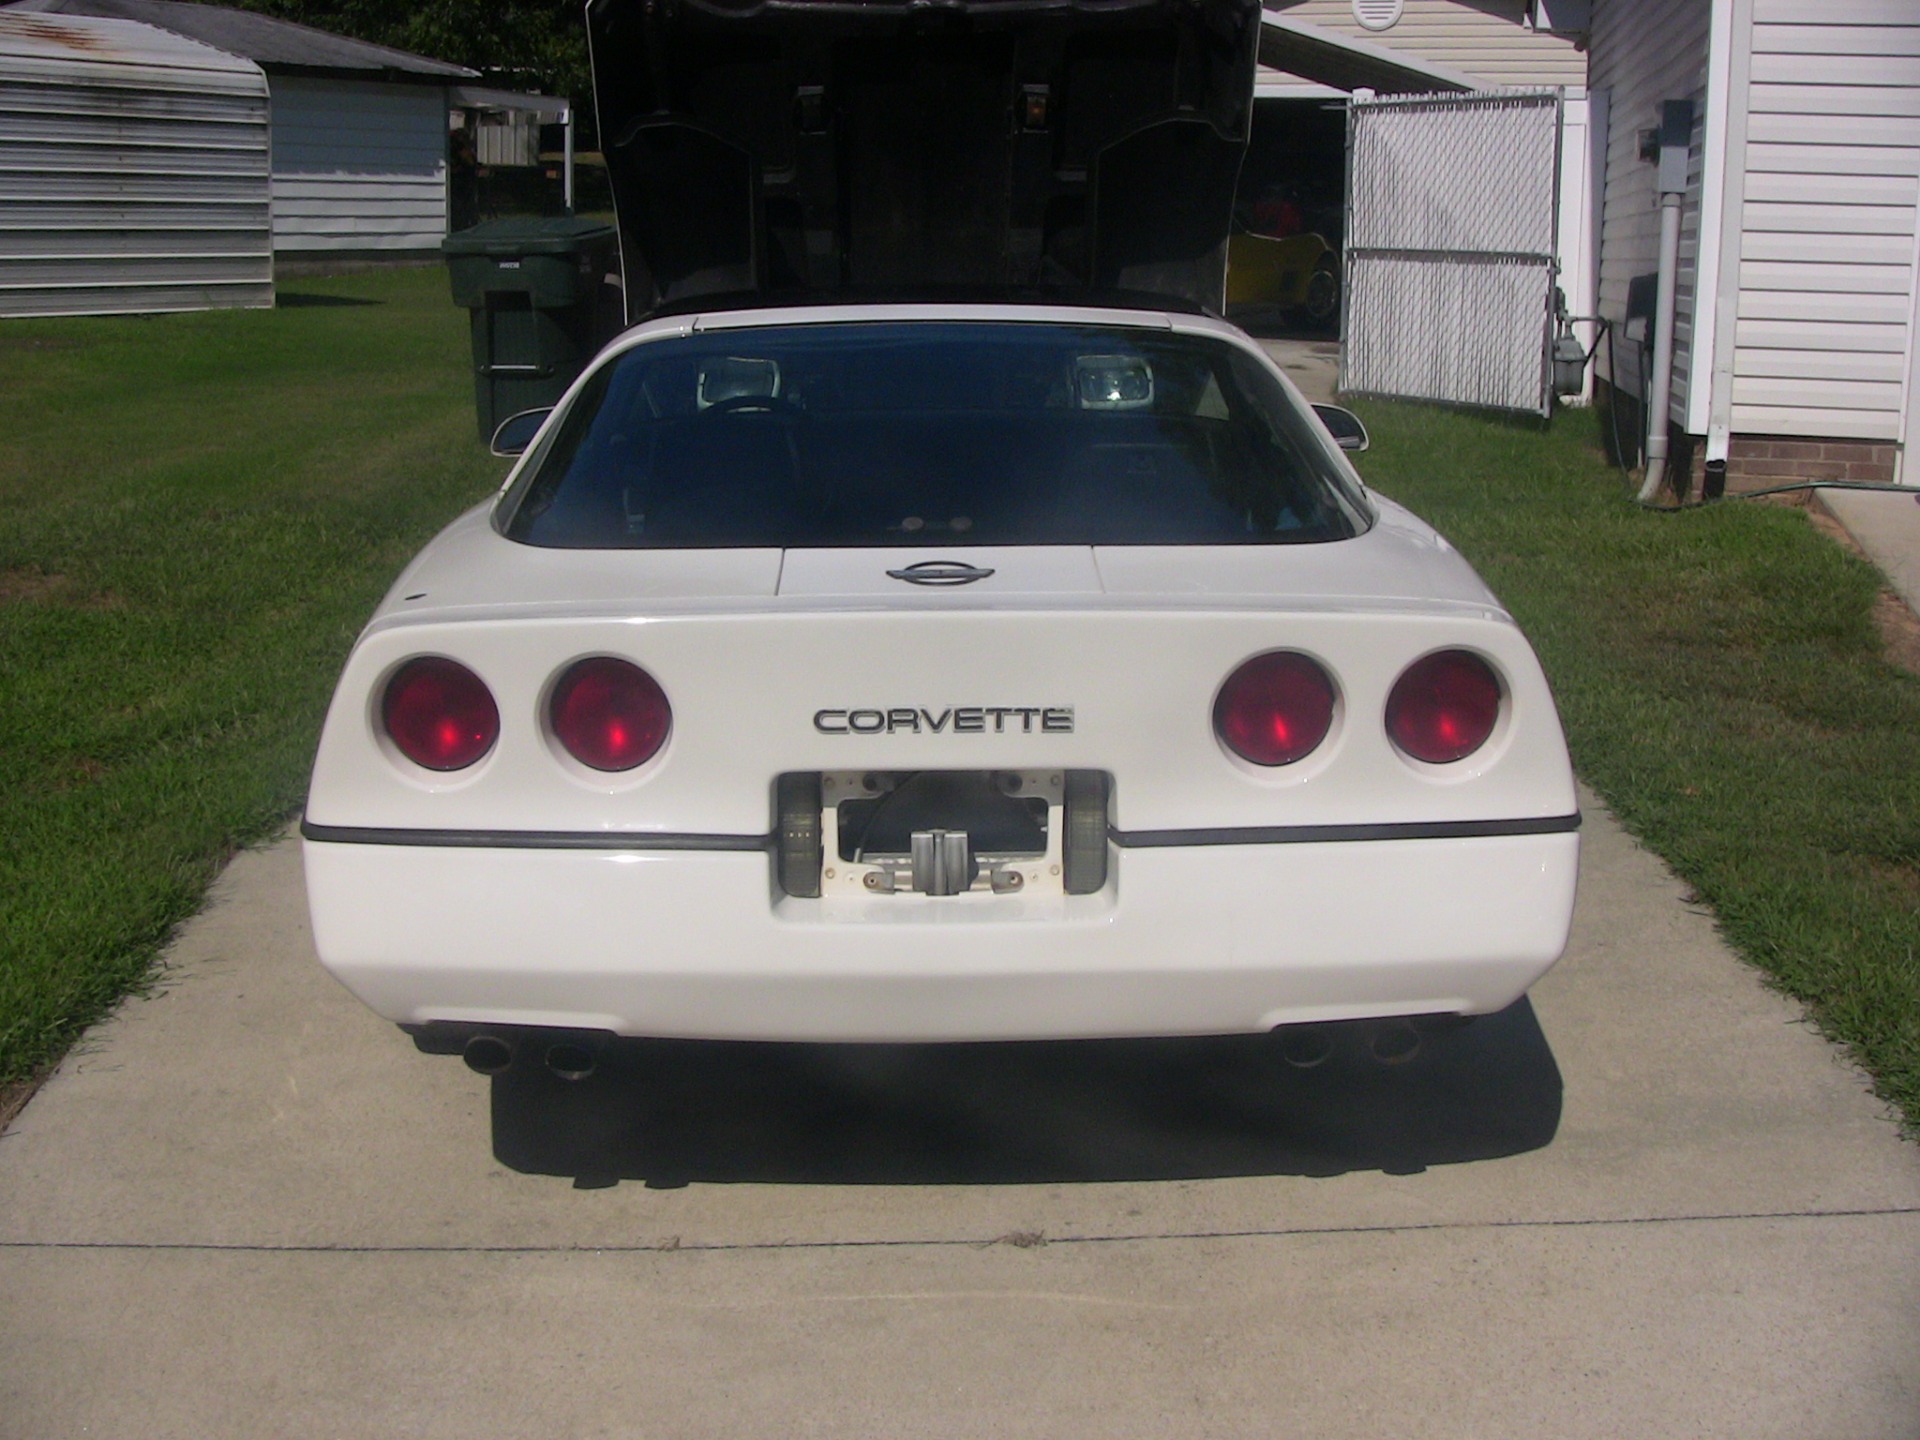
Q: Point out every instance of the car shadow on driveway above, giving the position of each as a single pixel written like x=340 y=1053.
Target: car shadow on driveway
x=672 y=1113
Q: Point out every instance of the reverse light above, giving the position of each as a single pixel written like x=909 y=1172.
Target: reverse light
x=1275 y=709
x=1444 y=707
x=609 y=714
x=439 y=713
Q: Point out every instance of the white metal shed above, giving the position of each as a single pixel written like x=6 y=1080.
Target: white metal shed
x=133 y=171
x=359 y=130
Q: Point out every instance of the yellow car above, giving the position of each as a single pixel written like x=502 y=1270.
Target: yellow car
x=1300 y=273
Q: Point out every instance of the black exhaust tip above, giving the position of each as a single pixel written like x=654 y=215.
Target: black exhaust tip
x=487 y=1054
x=1305 y=1046
x=1393 y=1043
x=570 y=1061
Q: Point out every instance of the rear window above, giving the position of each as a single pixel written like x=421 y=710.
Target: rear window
x=932 y=433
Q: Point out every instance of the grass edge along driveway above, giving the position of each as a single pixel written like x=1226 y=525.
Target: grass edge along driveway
x=203 y=508
x=1724 y=690
x=201 y=511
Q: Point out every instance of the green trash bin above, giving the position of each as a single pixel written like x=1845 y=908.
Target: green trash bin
x=540 y=305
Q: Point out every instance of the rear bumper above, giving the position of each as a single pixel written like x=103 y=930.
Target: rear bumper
x=1184 y=940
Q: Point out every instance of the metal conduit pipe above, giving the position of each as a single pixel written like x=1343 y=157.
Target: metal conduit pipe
x=1676 y=139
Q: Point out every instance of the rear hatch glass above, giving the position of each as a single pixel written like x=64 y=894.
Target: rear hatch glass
x=890 y=434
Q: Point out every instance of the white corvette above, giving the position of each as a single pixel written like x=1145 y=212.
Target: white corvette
x=926 y=671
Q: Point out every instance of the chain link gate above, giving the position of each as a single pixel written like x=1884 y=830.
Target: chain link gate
x=1450 y=256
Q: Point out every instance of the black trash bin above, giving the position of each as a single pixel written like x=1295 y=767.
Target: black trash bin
x=543 y=299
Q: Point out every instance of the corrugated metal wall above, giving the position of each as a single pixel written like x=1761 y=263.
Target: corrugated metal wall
x=133 y=171
x=358 y=166
x=507 y=137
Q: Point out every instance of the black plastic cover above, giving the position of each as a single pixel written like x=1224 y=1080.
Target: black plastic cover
x=796 y=148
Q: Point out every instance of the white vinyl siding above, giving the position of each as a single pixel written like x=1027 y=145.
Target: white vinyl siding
x=1827 y=242
x=133 y=171
x=1686 y=280
x=1488 y=39
x=1645 y=52
x=358 y=165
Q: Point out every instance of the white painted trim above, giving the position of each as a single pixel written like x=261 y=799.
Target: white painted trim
x=273 y=208
x=1579 y=274
x=1717 y=305
x=1903 y=473
x=1713 y=220
x=1599 y=126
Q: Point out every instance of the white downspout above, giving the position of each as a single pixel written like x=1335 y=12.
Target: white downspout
x=1676 y=140
x=1660 y=383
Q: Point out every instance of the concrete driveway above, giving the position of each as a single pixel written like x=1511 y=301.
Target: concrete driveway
x=1651 y=1203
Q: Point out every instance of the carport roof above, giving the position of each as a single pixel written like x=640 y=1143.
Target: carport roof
x=481 y=97
x=1347 y=63
x=273 y=44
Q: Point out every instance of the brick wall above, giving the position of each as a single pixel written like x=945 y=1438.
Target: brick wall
x=1754 y=462
x=1758 y=462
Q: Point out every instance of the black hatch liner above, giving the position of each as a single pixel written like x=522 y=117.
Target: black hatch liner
x=808 y=148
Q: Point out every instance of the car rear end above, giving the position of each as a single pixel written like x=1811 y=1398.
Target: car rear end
x=678 y=899
x=919 y=789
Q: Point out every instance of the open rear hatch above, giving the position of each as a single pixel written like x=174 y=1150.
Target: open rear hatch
x=792 y=148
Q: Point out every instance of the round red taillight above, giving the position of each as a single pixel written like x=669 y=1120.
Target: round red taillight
x=1275 y=709
x=1444 y=707
x=439 y=713
x=610 y=715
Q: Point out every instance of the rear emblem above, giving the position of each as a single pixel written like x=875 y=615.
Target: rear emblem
x=941 y=572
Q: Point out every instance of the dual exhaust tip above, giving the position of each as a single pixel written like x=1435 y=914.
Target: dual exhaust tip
x=565 y=1059
x=1390 y=1042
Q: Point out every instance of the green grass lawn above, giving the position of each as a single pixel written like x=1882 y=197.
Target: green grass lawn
x=200 y=510
x=1722 y=686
